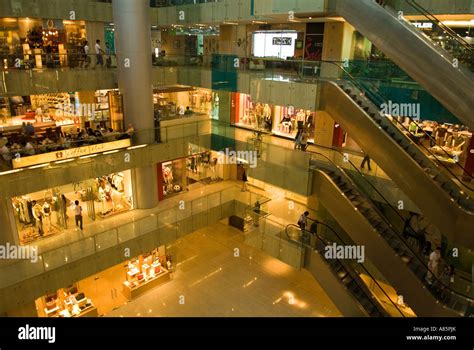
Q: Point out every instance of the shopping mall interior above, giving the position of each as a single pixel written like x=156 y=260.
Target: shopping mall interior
x=221 y=158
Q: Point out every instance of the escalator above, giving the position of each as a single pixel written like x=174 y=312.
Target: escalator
x=385 y=246
x=425 y=179
x=347 y=272
x=450 y=82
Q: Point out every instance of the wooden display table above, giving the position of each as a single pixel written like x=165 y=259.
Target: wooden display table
x=132 y=292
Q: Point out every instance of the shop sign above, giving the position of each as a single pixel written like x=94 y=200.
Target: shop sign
x=423 y=25
x=282 y=41
x=69 y=153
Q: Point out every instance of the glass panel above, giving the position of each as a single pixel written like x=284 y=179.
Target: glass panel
x=127 y=232
x=167 y=217
x=148 y=224
x=106 y=240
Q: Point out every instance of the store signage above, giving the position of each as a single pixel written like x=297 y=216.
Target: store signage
x=423 y=25
x=282 y=41
x=69 y=153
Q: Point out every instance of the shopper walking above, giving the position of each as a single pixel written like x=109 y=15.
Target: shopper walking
x=85 y=55
x=435 y=258
x=78 y=214
x=244 y=180
x=98 y=53
x=364 y=161
x=304 y=139
x=298 y=139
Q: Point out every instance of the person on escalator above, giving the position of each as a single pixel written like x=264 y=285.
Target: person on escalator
x=435 y=259
x=366 y=160
x=303 y=220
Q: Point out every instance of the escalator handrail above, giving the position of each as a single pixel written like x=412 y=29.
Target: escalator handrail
x=432 y=18
x=327 y=242
x=374 y=207
x=377 y=91
x=374 y=89
x=387 y=202
x=362 y=175
x=384 y=98
x=446 y=55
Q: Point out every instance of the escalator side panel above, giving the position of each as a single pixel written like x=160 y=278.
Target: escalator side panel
x=376 y=248
x=415 y=54
x=341 y=297
x=455 y=223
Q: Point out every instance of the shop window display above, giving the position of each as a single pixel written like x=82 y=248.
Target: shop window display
x=171 y=105
x=256 y=116
x=202 y=167
x=145 y=272
x=66 y=302
x=288 y=121
x=174 y=177
x=46 y=213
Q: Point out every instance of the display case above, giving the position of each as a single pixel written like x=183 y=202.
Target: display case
x=143 y=274
x=66 y=302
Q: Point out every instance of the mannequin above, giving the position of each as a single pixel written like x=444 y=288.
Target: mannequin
x=285 y=124
x=47 y=214
x=108 y=197
x=168 y=178
x=38 y=215
x=117 y=181
x=301 y=116
x=55 y=206
x=267 y=111
x=102 y=198
x=213 y=164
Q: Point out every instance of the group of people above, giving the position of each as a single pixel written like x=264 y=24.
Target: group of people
x=28 y=143
x=418 y=227
x=99 y=52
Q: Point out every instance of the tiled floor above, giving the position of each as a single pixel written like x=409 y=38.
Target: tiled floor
x=209 y=280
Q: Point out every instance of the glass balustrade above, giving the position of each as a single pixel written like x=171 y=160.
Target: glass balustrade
x=166 y=222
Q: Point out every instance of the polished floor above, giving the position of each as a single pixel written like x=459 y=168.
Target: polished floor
x=216 y=274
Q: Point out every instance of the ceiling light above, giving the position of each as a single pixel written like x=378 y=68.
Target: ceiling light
x=89 y=156
x=63 y=161
x=39 y=166
x=10 y=172
x=136 y=147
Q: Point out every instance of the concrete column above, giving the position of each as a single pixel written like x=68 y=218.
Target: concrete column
x=337 y=46
x=8 y=231
x=133 y=41
x=94 y=31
